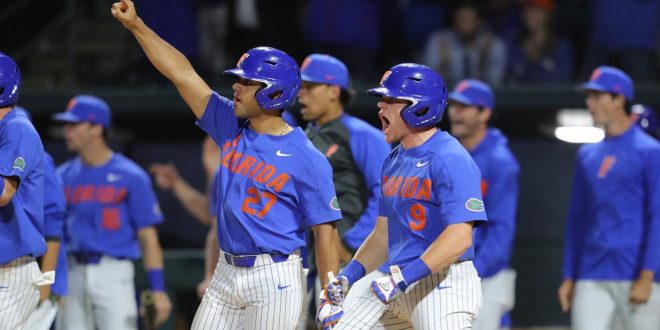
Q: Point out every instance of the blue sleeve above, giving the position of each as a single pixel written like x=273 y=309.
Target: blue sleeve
x=369 y=150
x=61 y=275
x=20 y=151
x=317 y=196
x=501 y=201
x=54 y=203
x=218 y=120
x=457 y=183
x=143 y=207
x=213 y=195
x=575 y=222
x=651 y=255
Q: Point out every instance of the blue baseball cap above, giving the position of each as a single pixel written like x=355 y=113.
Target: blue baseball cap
x=473 y=92
x=324 y=69
x=610 y=80
x=86 y=108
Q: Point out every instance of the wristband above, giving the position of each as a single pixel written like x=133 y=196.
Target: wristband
x=414 y=272
x=353 y=271
x=157 y=280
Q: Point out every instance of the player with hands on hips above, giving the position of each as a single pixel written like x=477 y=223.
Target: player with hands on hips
x=430 y=202
x=273 y=185
x=612 y=253
x=112 y=212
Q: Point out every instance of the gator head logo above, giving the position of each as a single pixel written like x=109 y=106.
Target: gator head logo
x=240 y=60
x=71 y=104
x=474 y=205
x=385 y=76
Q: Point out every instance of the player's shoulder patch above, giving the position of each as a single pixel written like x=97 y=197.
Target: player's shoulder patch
x=334 y=204
x=19 y=164
x=474 y=205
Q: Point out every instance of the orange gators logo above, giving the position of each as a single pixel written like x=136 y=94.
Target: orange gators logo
x=71 y=104
x=385 y=76
x=463 y=85
x=240 y=60
x=606 y=166
x=595 y=75
x=305 y=63
x=484 y=187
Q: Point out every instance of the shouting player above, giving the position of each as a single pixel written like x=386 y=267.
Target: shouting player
x=111 y=214
x=273 y=185
x=21 y=204
x=430 y=202
x=471 y=106
x=612 y=253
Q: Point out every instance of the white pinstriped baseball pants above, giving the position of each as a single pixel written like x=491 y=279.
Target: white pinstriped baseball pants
x=19 y=294
x=267 y=296
x=447 y=300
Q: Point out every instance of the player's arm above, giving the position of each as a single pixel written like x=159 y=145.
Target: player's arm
x=326 y=246
x=373 y=252
x=452 y=243
x=167 y=59
x=152 y=255
x=194 y=201
x=8 y=187
x=211 y=256
x=640 y=292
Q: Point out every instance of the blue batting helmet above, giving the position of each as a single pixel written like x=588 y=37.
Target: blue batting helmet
x=274 y=68
x=647 y=119
x=10 y=81
x=420 y=85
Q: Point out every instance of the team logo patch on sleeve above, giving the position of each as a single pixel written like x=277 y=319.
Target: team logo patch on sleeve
x=334 y=204
x=19 y=163
x=474 y=205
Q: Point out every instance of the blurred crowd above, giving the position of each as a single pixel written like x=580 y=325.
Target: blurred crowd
x=498 y=41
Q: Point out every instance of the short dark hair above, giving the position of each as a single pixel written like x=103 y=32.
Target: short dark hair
x=626 y=104
x=346 y=96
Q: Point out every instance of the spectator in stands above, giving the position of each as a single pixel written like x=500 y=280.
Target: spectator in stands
x=624 y=33
x=467 y=50
x=537 y=54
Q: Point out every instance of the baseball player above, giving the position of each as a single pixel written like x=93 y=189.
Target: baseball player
x=612 y=252
x=54 y=259
x=647 y=119
x=111 y=214
x=430 y=202
x=471 y=106
x=273 y=185
x=21 y=205
x=355 y=149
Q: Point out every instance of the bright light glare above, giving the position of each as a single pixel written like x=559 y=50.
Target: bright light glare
x=579 y=134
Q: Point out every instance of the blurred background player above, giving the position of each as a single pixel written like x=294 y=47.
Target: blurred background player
x=471 y=106
x=55 y=258
x=355 y=149
x=201 y=205
x=646 y=118
x=274 y=184
x=429 y=204
x=111 y=214
x=612 y=253
x=21 y=205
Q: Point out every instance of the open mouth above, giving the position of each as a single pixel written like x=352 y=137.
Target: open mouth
x=385 y=123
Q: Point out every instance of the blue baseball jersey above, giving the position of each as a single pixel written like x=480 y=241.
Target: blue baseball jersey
x=499 y=188
x=270 y=188
x=613 y=229
x=106 y=206
x=424 y=190
x=54 y=212
x=22 y=220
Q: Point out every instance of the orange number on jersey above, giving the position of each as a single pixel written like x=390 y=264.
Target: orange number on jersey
x=254 y=198
x=418 y=215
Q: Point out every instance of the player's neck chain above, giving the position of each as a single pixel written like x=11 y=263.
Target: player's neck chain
x=286 y=126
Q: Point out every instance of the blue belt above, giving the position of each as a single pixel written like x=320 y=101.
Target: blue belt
x=248 y=261
x=91 y=258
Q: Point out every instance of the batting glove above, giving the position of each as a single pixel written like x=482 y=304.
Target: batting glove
x=328 y=315
x=336 y=290
x=389 y=287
